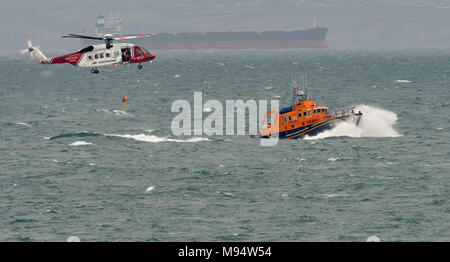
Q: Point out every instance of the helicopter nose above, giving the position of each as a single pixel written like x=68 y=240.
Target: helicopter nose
x=150 y=57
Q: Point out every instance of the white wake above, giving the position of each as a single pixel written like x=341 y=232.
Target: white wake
x=157 y=139
x=375 y=122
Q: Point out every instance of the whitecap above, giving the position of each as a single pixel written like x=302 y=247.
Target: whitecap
x=122 y=113
x=80 y=143
x=73 y=239
x=333 y=195
x=373 y=239
x=150 y=188
x=23 y=124
x=332 y=159
x=157 y=139
x=269 y=87
x=176 y=76
x=402 y=81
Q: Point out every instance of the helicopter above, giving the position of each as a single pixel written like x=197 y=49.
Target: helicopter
x=95 y=56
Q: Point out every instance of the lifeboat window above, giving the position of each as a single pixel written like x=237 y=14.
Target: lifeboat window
x=290 y=118
x=300 y=114
x=309 y=111
x=285 y=120
x=304 y=113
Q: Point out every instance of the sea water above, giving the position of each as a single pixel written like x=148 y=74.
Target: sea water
x=73 y=164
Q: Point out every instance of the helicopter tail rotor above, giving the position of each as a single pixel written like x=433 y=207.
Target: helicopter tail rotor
x=34 y=51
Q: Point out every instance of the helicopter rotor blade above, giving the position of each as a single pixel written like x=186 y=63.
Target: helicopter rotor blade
x=29 y=43
x=82 y=36
x=132 y=37
x=22 y=52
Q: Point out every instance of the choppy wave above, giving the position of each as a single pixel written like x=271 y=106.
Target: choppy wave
x=375 y=122
x=122 y=113
x=140 y=137
x=23 y=124
x=157 y=139
x=77 y=134
x=115 y=112
x=80 y=143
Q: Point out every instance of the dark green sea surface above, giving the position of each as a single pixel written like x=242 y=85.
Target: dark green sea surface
x=73 y=164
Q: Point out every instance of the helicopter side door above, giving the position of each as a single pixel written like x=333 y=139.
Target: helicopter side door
x=126 y=55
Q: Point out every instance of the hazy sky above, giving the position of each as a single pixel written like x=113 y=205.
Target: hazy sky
x=351 y=23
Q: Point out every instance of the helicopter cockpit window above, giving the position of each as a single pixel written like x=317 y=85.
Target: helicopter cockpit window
x=138 y=51
x=107 y=54
x=96 y=56
x=89 y=57
x=101 y=55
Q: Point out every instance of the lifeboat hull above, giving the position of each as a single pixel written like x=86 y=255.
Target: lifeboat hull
x=317 y=128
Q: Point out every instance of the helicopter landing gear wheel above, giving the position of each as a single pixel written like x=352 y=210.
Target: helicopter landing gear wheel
x=140 y=66
x=94 y=71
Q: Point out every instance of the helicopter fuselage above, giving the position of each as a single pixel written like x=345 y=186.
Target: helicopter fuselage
x=100 y=55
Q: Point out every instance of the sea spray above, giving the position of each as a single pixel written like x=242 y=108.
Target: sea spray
x=375 y=122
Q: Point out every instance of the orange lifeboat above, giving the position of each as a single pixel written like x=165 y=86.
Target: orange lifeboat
x=304 y=117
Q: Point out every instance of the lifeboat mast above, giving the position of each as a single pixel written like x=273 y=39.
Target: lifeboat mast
x=299 y=96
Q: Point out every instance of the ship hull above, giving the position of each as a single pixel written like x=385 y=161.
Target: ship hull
x=280 y=44
x=315 y=129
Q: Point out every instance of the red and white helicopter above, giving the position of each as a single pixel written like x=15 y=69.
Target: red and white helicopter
x=96 y=56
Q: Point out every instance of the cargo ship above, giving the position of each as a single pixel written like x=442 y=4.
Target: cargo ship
x=309 y=38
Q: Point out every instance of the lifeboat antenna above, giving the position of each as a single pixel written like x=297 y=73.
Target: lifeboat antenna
x=305 y=83
x=294 y=89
